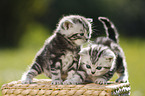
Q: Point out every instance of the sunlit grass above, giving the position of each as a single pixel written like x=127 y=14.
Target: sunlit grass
x=13 y=62
x=135 y=53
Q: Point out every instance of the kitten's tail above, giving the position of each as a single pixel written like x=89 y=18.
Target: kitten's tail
x=110 y=29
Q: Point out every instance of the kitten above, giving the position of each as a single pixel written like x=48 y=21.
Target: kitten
x=59 y=55
x=112 y=42
x=99 y=61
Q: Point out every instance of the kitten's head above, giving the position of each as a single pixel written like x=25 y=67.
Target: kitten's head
x=76 y=28
x=97 y=59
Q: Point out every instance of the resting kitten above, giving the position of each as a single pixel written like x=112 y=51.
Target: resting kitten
x=101 y=60
x=59 y=54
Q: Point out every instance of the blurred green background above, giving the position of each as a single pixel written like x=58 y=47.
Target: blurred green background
x=25 y=25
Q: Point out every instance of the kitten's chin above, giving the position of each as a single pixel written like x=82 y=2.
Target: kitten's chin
x=93 y=75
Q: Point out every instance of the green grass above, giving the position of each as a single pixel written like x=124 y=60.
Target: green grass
x=13 y=62
x=135 y=53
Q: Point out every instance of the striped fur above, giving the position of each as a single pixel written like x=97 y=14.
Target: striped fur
x=59 y=55
x=113 y=43
x=99 y=61
x=110 y=29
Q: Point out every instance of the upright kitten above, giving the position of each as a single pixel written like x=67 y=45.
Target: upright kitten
x=99 y=61
x=59 y=54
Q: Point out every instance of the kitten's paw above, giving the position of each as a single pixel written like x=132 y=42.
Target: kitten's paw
x=100 y=81
x=70 y=82
x=56 y=82
x=122 y=79
x=26 y=81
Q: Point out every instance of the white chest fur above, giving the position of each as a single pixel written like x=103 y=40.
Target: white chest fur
x=67 y=60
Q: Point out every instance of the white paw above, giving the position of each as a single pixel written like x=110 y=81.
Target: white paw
x=70 y=82
x=122 y=79
x=26 y=81
x=100 y=81
x=56 y=82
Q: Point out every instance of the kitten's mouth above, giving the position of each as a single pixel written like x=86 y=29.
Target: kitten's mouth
x=85 y=39
x=94 y=75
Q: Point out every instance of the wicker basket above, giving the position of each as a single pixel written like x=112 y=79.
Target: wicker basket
x=42 y=87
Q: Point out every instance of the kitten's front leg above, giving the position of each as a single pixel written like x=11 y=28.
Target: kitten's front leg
x=104 y=78
x=100 y=81
x=34 y=71
x=122 y=70
x=56 y=74
x=123 y=78
x=56 y=77
x=75 y=77
x=28 y=76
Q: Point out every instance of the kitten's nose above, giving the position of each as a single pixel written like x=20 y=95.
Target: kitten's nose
x=92 y=72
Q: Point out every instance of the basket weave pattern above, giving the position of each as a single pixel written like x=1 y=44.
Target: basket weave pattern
x=42 y=87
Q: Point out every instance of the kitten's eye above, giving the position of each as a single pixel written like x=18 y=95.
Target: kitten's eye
x=107 y=67
x=99 y=68
x=82 y=34
x=88 y=66
x=109 y=59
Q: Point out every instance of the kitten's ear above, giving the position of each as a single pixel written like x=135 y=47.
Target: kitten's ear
x=67 y=24
x=90 y=20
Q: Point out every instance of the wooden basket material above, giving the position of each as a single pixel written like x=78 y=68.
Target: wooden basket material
x=42 y=87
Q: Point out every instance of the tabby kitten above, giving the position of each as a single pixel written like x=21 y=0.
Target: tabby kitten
x=99 y=61
x=59 y=54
